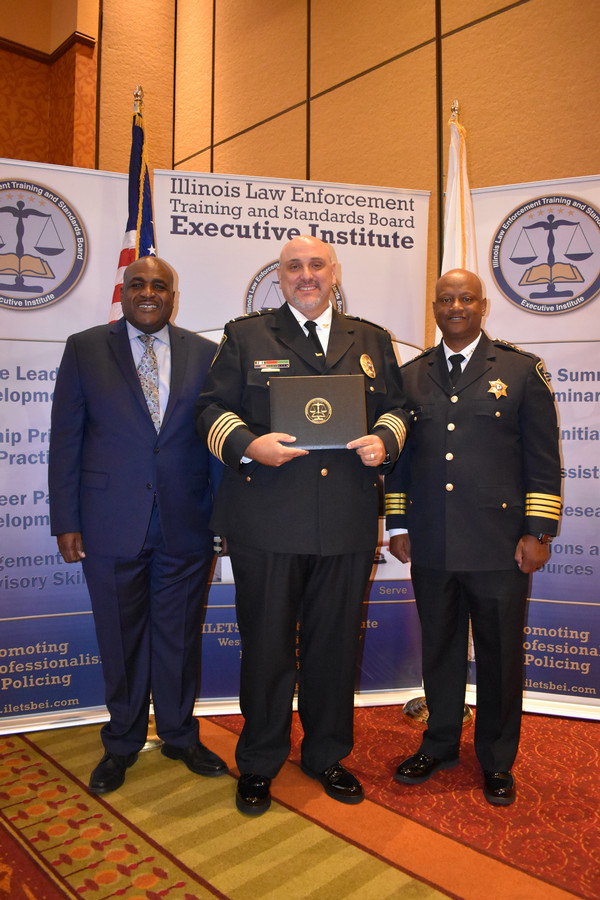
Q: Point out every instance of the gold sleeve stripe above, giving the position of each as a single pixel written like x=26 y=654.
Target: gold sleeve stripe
x=396 y=426
x=548 y=506
x=220 y=431
x=395 y=504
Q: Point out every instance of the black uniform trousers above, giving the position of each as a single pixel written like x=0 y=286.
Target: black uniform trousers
x=147 y=612
x=324 y=595
x=496 y=603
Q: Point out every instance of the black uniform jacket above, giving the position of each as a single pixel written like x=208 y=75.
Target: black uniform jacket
x=326 y=502
x=481 y=466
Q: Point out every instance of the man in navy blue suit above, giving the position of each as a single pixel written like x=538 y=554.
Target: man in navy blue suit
x=130 y=496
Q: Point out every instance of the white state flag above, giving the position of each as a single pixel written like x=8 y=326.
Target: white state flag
x=460 y=251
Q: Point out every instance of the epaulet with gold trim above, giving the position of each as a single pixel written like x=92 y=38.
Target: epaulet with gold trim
x=253 y=314
x=506 y=345
x=366 y=321
x=423 y=353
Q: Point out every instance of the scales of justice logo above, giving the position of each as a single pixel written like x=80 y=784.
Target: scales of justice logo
x=264 y=291
x=318 y=410
x=43 y=246
x=545 y=256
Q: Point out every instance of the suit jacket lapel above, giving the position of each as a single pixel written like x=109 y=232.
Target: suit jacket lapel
x=179 y=355
x=118 y=341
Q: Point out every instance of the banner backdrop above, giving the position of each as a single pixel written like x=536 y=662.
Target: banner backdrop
x=223 y=234
x=60 y=237
x=539 y=257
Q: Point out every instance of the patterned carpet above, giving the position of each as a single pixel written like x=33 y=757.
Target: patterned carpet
x=552 y=831
x=168 y=834
x=164 y=834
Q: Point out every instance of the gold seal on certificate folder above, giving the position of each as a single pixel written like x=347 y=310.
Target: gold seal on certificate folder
x=318 y=411
x=323 y=412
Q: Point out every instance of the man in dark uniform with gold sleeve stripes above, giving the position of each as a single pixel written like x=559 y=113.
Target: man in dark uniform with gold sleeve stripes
x=473 y=504
x=300 y=526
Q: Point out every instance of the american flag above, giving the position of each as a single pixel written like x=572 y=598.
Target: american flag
x=139 y=233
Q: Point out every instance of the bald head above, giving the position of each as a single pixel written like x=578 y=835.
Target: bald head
x=307 y=274
x=459 y=307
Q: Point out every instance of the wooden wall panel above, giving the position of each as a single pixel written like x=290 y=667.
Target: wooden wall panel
x=379 y=129
x=132 y=53
x=529 y=95
x=260 y=62
x=200 y=162
x=62 y=101
x=458 y=13
x=24 y=106
x=276 y=149
x=350 y=36
x=193 y=78
x=84 y=112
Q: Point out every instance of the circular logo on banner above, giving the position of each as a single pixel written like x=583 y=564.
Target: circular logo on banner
x=318 y=411
x=264 y=291
x=545 y=256
x=43 y=245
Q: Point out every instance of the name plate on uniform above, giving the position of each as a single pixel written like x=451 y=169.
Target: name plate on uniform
x=323 y=412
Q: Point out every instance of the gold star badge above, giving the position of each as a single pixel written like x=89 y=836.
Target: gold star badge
x=498 y=388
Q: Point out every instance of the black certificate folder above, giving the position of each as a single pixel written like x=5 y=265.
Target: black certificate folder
x=324 y=412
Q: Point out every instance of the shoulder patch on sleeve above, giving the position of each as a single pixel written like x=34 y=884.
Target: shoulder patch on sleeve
x=539 y=368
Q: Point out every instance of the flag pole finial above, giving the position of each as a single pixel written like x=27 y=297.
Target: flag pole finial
x=138 y=99
x=454 y=108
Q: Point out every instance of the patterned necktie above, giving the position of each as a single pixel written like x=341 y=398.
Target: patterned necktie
x=313 y=337
x=148 y=374
x=455 y=372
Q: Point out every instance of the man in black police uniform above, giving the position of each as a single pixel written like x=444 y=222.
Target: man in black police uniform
x=301 y=527
x=478 y=489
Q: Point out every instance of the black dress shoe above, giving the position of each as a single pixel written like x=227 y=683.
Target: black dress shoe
x=420 y=767
x=198 y=758
x=339 y=783
x=253 y=797
x=109 y=774
x=499 y=788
